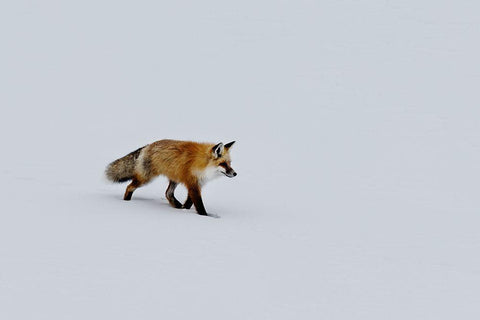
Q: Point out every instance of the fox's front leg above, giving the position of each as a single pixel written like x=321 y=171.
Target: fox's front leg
x=195 y=195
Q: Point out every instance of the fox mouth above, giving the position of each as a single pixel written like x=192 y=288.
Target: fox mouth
x=230 y=175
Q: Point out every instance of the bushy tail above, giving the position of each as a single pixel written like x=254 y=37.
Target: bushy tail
x=122 y=169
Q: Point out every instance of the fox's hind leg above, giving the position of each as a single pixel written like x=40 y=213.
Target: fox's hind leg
x=170 y=195
x=136 y=183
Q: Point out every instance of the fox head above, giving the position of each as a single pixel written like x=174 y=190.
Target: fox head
x=221 y=159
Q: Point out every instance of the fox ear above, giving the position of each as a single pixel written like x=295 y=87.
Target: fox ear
x=217 y=150
x=228 y=145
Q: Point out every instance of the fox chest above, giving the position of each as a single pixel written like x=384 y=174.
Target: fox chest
x=207 y=174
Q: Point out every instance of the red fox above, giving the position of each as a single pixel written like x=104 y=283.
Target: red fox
x=190 y=163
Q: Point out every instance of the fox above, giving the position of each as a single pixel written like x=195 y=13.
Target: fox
x=190 y=163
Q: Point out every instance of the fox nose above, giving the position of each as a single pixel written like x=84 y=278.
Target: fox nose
x=234 y=174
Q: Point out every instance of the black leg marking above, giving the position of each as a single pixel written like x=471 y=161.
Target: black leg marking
x=195 y=195
x=170 y=195
x=188 y=203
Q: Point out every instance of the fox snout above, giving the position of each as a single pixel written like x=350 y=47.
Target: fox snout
x=230 y=173
x=225 y=168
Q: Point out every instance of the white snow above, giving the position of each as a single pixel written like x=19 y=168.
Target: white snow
x=358 y=158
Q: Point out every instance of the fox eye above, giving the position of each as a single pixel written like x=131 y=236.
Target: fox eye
x=223 y=164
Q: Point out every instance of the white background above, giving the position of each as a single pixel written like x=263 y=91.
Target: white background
x=358 y=154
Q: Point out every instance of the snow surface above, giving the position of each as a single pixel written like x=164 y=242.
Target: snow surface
x=358 y=159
